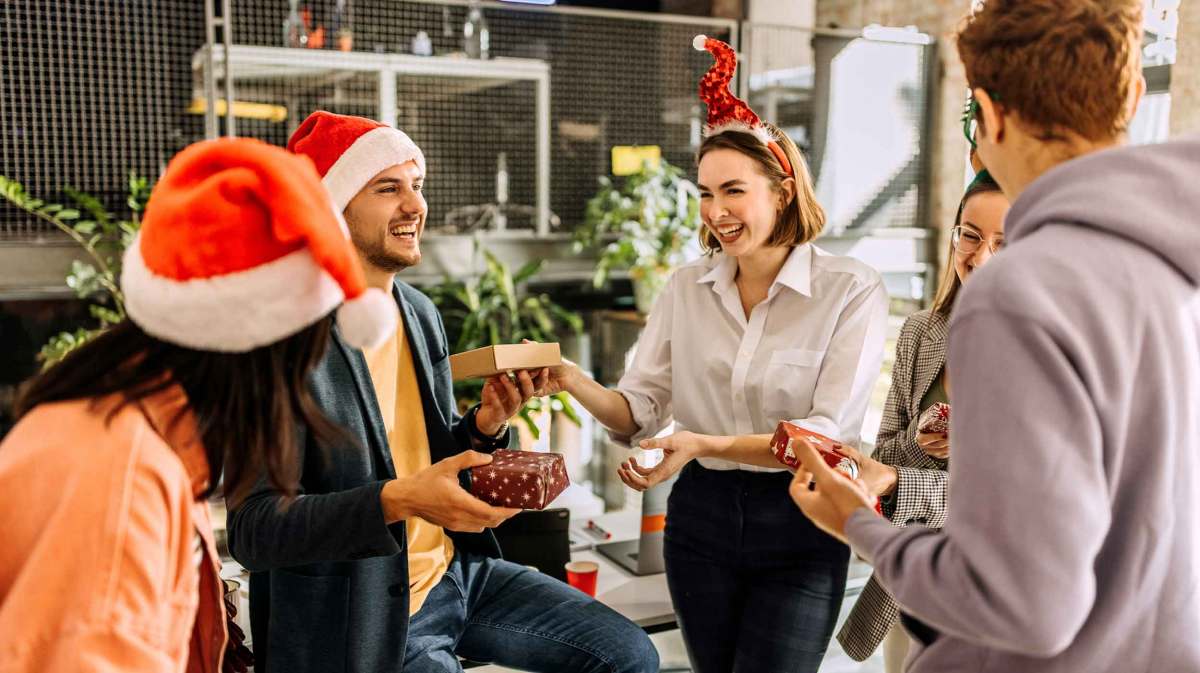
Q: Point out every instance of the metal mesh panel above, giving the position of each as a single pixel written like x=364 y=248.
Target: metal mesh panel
x=91 y=90
x=614 y=80
x=857 y=109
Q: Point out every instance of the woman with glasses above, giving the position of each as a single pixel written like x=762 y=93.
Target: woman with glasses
x=908 y=470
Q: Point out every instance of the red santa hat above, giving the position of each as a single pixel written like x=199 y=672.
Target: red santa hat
x=240 y=247
x=349 y=151
x=727 y=112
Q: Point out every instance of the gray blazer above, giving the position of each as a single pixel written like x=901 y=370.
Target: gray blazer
x=920 y=494
x=329 y=576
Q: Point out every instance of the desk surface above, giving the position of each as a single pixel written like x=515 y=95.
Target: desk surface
x=645 y=599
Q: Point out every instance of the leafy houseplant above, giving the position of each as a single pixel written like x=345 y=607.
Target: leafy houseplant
x=493 y=310
x=103 y=237
x=654 y=214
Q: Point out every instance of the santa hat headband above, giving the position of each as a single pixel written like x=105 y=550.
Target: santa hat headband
x=727 y=112
x=240 y=248
x=349 y=151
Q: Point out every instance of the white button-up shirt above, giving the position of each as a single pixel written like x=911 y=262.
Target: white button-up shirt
x=809 y=353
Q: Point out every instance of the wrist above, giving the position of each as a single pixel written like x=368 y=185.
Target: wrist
x=395 y=501
x=487 y=429
x=570 y=382
x=711 y=446
x=891 y=480
x=485 y=424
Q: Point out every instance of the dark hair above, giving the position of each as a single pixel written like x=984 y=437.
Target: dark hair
x=949 y=285
x=801 y=220
x=247 y=405
x=1060 y=64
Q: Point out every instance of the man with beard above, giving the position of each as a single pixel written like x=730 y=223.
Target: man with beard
x=384 y=562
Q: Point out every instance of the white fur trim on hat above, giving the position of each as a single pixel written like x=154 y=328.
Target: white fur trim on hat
x=235 y=312
x=369 y=319
x=374 y=151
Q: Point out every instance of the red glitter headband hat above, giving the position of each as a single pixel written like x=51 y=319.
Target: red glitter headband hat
x=727 y=112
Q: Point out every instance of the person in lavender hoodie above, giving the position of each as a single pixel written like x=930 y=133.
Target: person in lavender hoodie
x=1072 y=542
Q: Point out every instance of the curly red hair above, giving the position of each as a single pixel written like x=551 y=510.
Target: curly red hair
x=1062 y=65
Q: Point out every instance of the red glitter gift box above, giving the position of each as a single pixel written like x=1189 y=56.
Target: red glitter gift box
x=783 y=446
x=786 y=434
x=935 y=419
x=521 y=479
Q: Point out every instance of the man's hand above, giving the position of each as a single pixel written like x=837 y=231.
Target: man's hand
x=678 y=450
x=435 y=495
x=826 y=496
x=503 y=398
x=880 y=478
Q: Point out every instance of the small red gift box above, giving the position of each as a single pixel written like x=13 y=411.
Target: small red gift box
x=786 y=435
x=935 y=419
x=783 y=446
x=521 y=479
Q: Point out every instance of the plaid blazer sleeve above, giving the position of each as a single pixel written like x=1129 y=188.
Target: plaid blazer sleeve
x=920 y=494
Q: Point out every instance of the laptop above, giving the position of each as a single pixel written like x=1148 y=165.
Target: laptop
x=644 y=556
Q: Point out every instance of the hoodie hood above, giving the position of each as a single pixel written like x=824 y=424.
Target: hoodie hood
x=1148 y=194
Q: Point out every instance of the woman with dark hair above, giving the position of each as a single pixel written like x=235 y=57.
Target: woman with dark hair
x=766 y=327
x=909 y=468
x=108 y=561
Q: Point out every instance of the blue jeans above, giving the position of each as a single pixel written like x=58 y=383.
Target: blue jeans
x=493 y=611
x=756 y=586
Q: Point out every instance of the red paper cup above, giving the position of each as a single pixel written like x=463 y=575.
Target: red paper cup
x=582 y=576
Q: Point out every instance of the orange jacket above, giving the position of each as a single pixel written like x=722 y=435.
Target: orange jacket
x=107 y=561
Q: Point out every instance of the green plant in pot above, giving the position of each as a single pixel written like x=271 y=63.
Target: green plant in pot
x=494 y=309
x=654 y=215
x=103 y=236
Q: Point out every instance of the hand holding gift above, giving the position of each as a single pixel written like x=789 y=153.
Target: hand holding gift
x=933 y=431
x=837 y=456
x=435 y=494
x=504 y=395
x=826 y=495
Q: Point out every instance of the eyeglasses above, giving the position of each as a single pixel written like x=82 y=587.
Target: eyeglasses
x=968 y=241
x=970 y=116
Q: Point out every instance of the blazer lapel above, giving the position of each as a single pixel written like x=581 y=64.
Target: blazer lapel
x=365 y=389
x=931 y=358
x=418 y=343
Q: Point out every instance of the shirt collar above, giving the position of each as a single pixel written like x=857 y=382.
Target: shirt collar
x=169 y=415
x=796 y=272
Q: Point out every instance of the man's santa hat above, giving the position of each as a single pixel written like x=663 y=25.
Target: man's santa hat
x=240 y=248
x=727 y=112
x=349 y=151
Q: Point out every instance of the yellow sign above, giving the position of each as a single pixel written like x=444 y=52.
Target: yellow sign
x=628 y=159
x=243 y=109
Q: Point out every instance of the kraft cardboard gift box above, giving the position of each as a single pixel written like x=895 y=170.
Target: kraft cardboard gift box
x=491 y=360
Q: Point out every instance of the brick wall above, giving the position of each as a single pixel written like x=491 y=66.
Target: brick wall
x=1185 y=74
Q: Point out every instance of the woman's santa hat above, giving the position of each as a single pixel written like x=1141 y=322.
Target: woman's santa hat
x=240 y=248
x=349 y=151
x=727 y=112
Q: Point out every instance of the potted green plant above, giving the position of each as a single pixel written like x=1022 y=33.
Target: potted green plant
x=103 y=237
x=495 y=309
x=654 y=215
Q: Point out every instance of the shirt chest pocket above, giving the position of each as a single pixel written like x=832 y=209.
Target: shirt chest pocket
x=791 y=377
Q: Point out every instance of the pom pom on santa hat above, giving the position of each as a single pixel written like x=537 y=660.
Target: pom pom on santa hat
x=348 y=151
x=240 y=247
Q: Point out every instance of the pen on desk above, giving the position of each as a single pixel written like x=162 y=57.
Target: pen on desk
x=592 y=526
